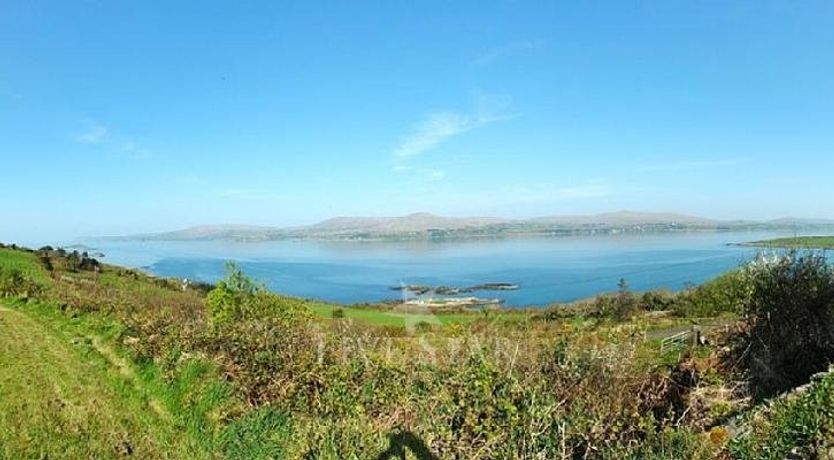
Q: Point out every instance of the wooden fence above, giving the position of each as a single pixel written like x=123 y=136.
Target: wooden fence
x=680 y=340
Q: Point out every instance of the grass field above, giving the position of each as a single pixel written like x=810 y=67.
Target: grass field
x=24 y=262
x=61 y=398
x=797 y=242
x=67 y=391
x=391 y=318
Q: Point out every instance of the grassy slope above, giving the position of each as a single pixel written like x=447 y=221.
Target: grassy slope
x=798 y=242
x=61 y=398
x=67 y=390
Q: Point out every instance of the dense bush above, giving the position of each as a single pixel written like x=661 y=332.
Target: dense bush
x=789 y=316
x=13 y=282
x=238 y=298
x=727 y=293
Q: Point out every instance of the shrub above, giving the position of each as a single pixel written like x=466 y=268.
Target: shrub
x=238 y=298
x=725 y=294
x=789 y=316
x=14 y=282
x=338 y=313
x=625 y=304
x=798 y=422
x=656 y=300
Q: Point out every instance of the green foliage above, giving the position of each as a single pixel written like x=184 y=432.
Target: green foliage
x=802 y=422
x=725 y=294
x=668 y=444
x=625 y=304
x=97 y=405
x=798 y=242
x=260 y=434
x=23 y=262
x=789 y=315
x=13 y=282
x=239 y=298
x=244 y=373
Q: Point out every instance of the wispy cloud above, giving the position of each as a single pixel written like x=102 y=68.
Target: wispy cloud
x=690 y=165
x=438 y=128
x=92 y=132
x=493 y=54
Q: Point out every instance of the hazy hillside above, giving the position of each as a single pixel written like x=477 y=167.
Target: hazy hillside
x=206 y=232
x=416 y=222
x=625 y=218
x=426 y=225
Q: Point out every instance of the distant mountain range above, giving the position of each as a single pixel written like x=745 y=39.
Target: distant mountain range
x=429 y=226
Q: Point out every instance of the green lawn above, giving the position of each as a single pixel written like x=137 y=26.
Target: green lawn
x=379 y=317
x=25 y=262
x=67 y=392
x=57 y=403
x=798 y=242
x=390 y=318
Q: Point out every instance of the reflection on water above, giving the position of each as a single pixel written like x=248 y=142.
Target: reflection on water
x=546 y=269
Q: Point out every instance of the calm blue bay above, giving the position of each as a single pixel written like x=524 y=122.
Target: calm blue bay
x=546 y=269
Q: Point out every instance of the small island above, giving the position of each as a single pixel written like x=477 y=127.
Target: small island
x=419 y=289
x=795 y=242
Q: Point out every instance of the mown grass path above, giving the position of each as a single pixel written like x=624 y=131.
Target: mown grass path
x=61 y=398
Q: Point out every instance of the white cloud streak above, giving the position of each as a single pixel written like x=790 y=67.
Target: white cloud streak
x=436 y=129
x=93 y=133
x=439 y=127
x=97 y=133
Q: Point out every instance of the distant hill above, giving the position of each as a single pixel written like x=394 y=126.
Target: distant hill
x=625 y=218
x=206 y=232
x=417 y=222
x=430 y=226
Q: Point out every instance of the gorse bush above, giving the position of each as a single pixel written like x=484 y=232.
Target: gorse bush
x=726 y=294
x=238 y=297
x=789 y=316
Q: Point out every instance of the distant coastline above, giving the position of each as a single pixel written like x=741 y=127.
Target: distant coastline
x=424 y=226
x=795 y=242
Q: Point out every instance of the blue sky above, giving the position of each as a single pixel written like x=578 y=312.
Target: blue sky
x=122 y=117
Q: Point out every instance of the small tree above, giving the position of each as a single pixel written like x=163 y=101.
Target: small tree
x=625 y=303
x=789 y=314
x=237 y=297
